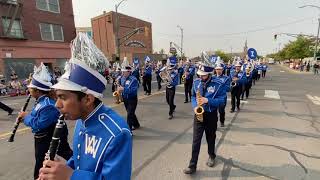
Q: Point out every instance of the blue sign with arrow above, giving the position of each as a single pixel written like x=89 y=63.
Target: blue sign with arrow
x=252 y=53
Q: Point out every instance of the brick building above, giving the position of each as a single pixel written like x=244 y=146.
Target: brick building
x=34 y=31
x=104 y=35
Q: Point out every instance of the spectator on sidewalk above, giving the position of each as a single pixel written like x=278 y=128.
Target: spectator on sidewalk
x=315 y=68
x=308 y=67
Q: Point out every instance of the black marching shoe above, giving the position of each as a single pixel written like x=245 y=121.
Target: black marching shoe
x=222 y=124
x=170 y=117
x=210 y=162
x=186 y=101
x=10 y=112
x=189 y=170
x=231 y=111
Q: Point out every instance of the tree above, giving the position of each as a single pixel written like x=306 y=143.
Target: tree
x=226 y=57
x=297 y=49
x=162 y=51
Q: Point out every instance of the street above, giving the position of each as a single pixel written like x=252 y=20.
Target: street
x=276 y=135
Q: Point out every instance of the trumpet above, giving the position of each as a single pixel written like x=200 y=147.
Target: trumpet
x=198 y=111
x=234 y=81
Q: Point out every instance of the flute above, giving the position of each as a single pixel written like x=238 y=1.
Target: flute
x=55 y=141
x=18 y=120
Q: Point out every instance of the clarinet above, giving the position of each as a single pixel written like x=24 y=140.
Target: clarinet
x=55 y=141
x=18 y=120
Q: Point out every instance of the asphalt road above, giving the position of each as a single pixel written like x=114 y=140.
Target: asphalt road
x=275 y=136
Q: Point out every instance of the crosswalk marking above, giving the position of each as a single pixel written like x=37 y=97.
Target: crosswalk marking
x=271 y=94
x=314 y=99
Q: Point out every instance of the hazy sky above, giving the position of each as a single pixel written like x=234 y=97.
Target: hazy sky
x=213 y=24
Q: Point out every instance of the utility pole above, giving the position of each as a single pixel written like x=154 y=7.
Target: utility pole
x=317 y=39
x=181 y=29
x=117 y=30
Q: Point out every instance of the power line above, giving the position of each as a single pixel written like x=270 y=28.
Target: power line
x=242 y=32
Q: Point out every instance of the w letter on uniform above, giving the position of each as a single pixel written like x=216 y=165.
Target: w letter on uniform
x=92 y=145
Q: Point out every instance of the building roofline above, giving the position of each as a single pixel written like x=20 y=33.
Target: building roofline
x=112 y=12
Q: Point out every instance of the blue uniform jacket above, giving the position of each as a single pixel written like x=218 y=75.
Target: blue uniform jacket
x=148 y=71
x=191 y=71
x=264 y=67
x=43 y=114
x=214 y=92
x=242 y=78
x=136 y=72
x=174 y=79
x=180 y=70
x=130 y=85
x=226 y=81
x=158 y=70
x=249 y=78
x=102 y=147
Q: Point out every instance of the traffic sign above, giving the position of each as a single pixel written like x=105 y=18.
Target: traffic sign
x=252 y=53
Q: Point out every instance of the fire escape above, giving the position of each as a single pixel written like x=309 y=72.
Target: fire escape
x=13 y=12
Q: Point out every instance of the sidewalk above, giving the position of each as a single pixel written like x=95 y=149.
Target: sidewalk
x=293 y=70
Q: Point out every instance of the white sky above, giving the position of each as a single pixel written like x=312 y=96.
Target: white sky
x=212 y=24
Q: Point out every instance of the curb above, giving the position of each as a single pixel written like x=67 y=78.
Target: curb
x=294 y=71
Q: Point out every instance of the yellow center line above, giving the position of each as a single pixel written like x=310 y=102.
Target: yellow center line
x=20 y=131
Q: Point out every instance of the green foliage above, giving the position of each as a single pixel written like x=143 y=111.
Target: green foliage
x=226 y=57
x=297 y=49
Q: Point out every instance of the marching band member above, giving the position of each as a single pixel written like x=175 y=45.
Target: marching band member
x=147 y=76
x=43 y=118
x=102 y=142
x=264 y=69
x=254 y=73
x=129 y=88
x=189 y=71
x=207 y=93
x=115 y=74
x=238 y=78
x=248 y=83
x=136 y=69
x=259 y=68
x=180 y=71
x=159 y=80
x=172 y=79
x=225 y=80
x=228 y=68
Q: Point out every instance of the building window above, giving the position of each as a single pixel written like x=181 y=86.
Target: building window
x=48 y=5
x=51 y=32
x=16 y=29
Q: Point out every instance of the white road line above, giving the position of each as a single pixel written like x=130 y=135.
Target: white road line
x=271 y=94
x=282 y=71
x=314 y=99
x=181 y=93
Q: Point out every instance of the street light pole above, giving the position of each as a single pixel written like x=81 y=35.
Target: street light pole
x=317 y=39
x=117 y=29
x=181 y=29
